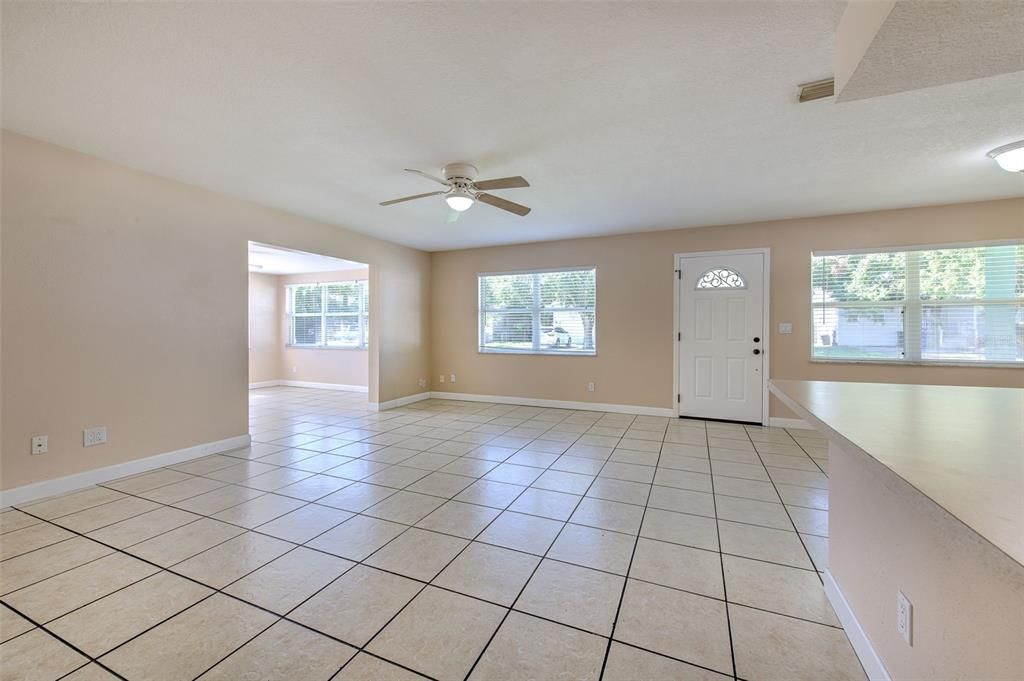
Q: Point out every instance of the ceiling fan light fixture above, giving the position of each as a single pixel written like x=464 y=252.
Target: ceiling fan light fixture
x=1010 y=157
x=462 y=190
x=459 y=200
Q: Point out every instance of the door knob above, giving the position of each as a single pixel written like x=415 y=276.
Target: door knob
x=757 y=339
x=757 y=351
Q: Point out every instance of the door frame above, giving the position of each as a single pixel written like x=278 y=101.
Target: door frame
x=677 y=263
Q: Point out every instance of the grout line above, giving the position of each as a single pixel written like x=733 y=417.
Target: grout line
x=588 y=425
x=721 y=565
x=674 y=659
x=247 y=642
x=98 y=664
x=160 y=569
x=214 y=591
x=629 y=569
x=430 y=582
x=813 y=460
x=534 y=571
x=78 y=650
x=800 y=538
x=38 y=581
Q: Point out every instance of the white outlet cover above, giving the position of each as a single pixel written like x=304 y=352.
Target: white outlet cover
x=451 y=379
x=40 y=444
x=904 y=617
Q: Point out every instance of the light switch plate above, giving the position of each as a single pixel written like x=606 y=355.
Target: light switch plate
x=40 y=444
x=94 y=436
x=785 y=327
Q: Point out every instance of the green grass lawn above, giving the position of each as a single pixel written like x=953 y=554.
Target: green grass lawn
x=855 y=352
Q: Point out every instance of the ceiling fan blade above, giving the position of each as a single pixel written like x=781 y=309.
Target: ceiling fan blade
x=453 y=216
x=502 y=183
x=409 y=198
x=503 y=204
x=427 y=175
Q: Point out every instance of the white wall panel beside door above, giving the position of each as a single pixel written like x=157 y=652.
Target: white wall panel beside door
x=721 y=319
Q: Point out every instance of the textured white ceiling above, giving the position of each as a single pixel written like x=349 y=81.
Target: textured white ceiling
x=965 y=39
x=624 y=116
x=265 y=259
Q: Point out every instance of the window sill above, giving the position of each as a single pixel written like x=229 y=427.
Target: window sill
x=542 y=353
x=921 y=363
x=326 y=347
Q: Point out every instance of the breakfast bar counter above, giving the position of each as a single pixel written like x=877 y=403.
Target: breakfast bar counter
x=926 y=500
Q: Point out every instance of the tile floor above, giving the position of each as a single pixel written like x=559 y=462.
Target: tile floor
x=446 y=540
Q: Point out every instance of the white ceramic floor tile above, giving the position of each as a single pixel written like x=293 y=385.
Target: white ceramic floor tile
x=586 y=524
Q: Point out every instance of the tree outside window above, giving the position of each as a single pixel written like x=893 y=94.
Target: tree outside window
x=539 y=312
x=951 y=304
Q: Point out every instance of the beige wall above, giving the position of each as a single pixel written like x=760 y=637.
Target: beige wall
x=634 y=304
x=123 y=298
x=270 y=358
x=265 y=341
x=124 y=305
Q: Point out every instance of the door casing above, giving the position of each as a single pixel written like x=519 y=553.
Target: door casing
x=677 y=262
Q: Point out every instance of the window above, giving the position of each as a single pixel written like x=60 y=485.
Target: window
x=945 y=305
x=553 y=312
x=334 y=315
x=721 y=277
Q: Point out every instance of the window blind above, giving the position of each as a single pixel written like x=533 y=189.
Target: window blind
x=545 y=312
x=329 y=315
x=951 y=304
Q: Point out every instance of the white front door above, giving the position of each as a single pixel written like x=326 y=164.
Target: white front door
x=721 y=336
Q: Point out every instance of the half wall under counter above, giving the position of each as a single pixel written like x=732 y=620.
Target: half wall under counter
x=926 y=498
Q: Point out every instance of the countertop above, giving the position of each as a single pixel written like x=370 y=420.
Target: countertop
x=962 y=447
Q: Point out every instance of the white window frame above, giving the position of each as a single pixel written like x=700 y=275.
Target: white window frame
x=362 y=315
x=535 y=310
x=911 y=307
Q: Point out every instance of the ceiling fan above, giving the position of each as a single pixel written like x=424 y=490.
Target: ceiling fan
x=462 y=190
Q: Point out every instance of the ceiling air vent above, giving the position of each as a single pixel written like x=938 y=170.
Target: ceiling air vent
x=819 y=89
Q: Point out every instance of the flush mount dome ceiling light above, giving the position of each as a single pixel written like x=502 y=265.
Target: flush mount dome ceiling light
x=459 y=199
x=1009 y=156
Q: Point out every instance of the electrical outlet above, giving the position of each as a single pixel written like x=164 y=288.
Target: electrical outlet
x=40 y=444
x=590 y=387
x=441 y=378
x=94 y=436
x=422 y=382
x=451 y=379
x=295 y=370
x=904 y=617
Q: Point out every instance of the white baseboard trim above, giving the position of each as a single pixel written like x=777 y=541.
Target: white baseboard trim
x=778 y=422
x=311 y=384
x=399 y=401
x=555 y=404
x=869 y=659
x=69 y=483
